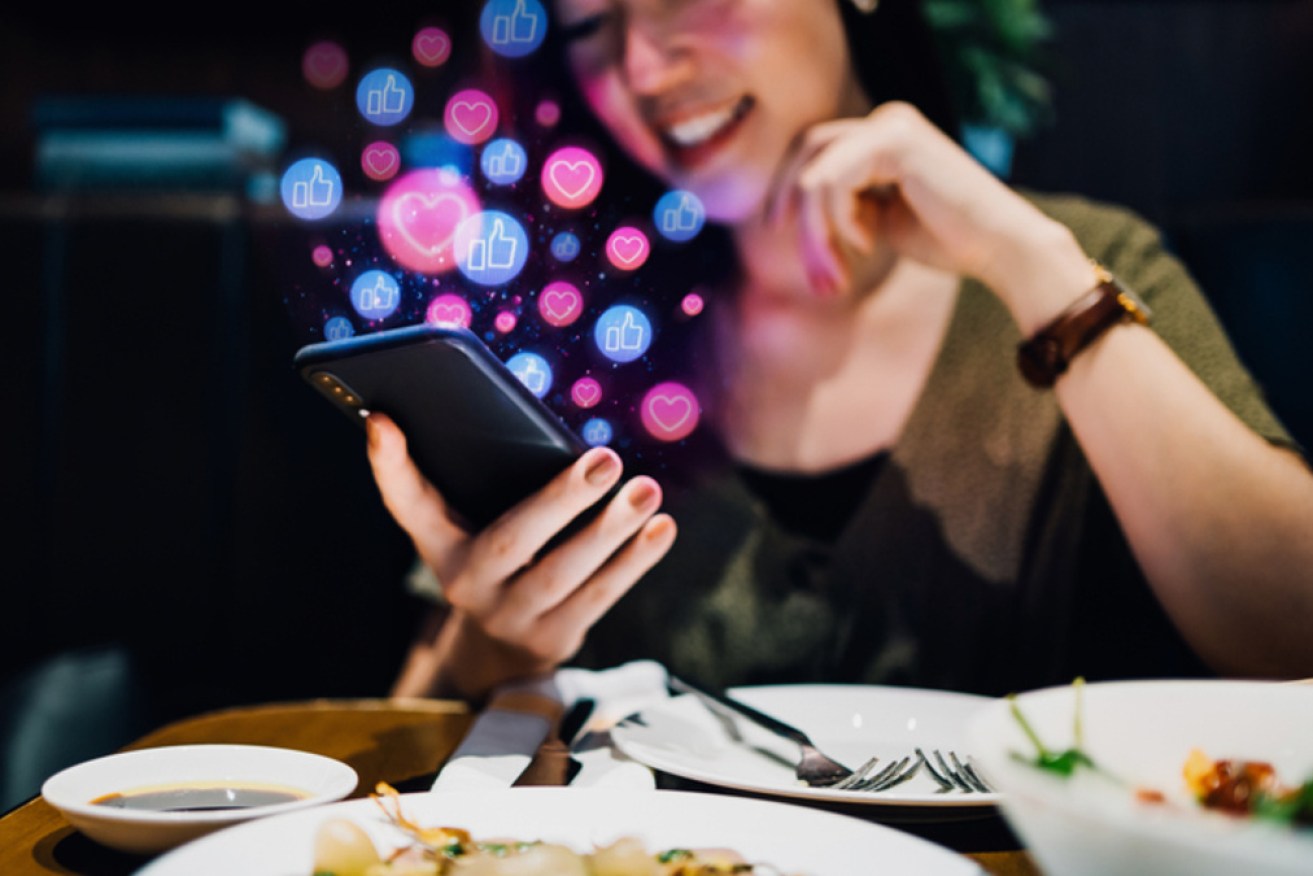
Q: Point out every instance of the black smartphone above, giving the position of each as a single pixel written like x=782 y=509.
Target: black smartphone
x=474 y=430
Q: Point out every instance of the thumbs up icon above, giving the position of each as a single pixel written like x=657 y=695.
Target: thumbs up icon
x=683 y=217
x=513 y=27
x=311 y=188
x=625 y=337
x=384 y=96
x=521 y=26
x=533 y=371
x=504 y=161
x=623 y=333
x=679 y=215
x=375 y=295
x=388 y=99
x=314 y=192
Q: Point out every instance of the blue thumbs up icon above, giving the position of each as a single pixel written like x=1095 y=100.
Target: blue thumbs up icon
x=311 y=188
x=679 y=216
x=623 y=333
x=385 y=96
x=513 y=28
x=375 y=294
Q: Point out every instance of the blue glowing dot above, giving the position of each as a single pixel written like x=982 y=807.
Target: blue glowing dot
x=504 y=161
x=513 y=28
x=565 y=247
x=338 y=328
x=533 y=371
x=491 y=247
x=311 y=188
x=597 y=432
x=623 y=333
x=679 y=216
x=385 y=96
x=375 y=294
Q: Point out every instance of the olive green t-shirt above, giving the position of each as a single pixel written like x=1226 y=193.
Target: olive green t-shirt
x=983 y=556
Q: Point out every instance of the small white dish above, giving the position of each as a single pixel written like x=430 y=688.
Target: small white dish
x=1140 y=733
x=308 y=779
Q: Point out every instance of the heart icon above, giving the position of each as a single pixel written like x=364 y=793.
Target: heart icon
x=627 y=248
x=669 y=412
x=447 y=314
x=380 y=161
x=432 y=48
x=586 y=393
x=572 y=178
x=560 y=303
x=470 y=117
x=428 y=221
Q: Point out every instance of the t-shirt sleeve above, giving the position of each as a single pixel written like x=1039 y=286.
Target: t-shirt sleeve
x=1133 y=250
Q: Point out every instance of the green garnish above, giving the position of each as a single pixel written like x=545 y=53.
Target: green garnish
x=452 y=850
x=1293 y=808
x=1064 y=763
x=673 y=855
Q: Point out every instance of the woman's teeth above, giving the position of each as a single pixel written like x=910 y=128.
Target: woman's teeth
x=702 y=128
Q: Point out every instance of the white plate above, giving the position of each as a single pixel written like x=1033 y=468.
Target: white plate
x=321 y=779
x=851 y=723
x=794 y=839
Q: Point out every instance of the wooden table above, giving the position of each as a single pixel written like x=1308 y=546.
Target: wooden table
x=400 y=741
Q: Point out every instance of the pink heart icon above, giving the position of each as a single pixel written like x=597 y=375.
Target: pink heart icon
x=670 y=411
x=381 y=161
x=572 y=178
x=471 y=118
x=560 y=303
x=628 y=248
x=428 y=221
x=448 y=314
x=587 y=392
x=432 y=47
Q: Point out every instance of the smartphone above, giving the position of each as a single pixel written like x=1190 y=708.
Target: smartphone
x=473 y=429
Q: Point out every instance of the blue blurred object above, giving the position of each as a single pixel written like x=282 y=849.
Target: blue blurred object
x=189 y=143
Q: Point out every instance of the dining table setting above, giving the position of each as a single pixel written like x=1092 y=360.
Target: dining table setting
x=812 y=780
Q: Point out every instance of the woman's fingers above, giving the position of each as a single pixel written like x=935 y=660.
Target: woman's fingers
x=411 y=500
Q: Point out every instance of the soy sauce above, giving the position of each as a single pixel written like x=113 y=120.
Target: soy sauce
x=199 y=798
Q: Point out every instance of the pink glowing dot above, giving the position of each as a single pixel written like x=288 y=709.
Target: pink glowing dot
x=324 y=64
x=505 y=321
x=692 y=304
x=571 y=177
x=627 y=248
x=586 y=392
x=547 y=113
x=470 y=117
x=560 y=303
x=431 y=46
x=322 y=256
x=669 y=411
x=380 y=160
x=450 y=310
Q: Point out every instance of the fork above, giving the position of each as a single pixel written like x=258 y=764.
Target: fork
x=814 y=768
x=952 y=774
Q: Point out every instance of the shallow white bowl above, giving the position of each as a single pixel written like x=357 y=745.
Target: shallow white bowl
x=321 y=779
x=1141 y=733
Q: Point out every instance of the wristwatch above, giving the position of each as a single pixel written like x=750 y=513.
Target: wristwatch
x=1045 y=357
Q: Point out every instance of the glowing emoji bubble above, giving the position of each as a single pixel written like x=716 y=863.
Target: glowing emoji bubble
x=586 y=392
x=503 y=161
x=623 y=333
x=627 y=248
x=338 y=328
x=596 y=432
x=449 y=310
x=324 y=65
x=418 y=216
x=565 y=247
x=385 y=96
x=669 y=411
x=505 y=322
x=571 y=177
x=322 y=256
x=380 y=160
x=533 y=371
x=679 y=216
x=491 y=248
x=692 y=304
x=311 y=188
x=431 y=47
x=513 y=28
x=547 y=113
x=560 y=303
x=375 y=294
x=471 y=116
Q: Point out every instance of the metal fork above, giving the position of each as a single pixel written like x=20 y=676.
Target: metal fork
x=952 y=774
x=814 y=768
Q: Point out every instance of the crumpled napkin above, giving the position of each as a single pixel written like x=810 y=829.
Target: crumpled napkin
x=519 y=717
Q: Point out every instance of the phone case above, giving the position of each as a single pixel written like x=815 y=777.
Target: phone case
x=477 y=433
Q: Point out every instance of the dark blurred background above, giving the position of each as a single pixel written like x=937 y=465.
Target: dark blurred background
x=187 y=527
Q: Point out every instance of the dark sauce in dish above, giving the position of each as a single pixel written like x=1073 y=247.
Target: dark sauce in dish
x=199 y=798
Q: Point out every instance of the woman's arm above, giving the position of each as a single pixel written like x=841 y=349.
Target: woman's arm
x=1220 y=520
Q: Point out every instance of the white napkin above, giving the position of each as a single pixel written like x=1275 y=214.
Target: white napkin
x=518 y=718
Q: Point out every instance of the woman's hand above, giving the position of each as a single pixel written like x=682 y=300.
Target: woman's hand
x=893 y=180
x=515 y=613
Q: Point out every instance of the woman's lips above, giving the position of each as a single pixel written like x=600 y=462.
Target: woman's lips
x=692 y=141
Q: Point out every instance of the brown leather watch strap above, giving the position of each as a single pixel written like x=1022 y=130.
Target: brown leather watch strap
x=1047 y=355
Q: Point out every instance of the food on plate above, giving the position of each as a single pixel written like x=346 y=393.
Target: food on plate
x=1066 y=762
x=343 y=848
x=1247 y=787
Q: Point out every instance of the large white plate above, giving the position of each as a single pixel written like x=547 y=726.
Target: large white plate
x=795 y=839
x=851 y=723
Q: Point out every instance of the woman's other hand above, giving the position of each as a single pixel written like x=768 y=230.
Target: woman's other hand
x=514 y=612
x=893 y=181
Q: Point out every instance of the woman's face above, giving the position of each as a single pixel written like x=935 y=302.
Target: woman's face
x=710 y=94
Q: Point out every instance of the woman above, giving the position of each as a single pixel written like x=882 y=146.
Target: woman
x=898 y=503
